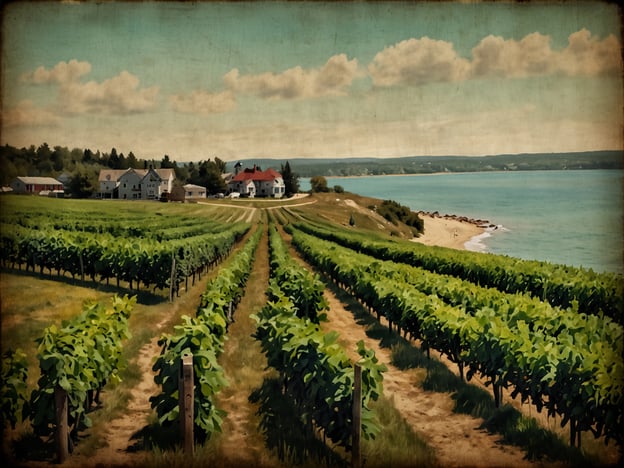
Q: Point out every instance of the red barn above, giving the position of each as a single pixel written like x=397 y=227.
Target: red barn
x=36 y=185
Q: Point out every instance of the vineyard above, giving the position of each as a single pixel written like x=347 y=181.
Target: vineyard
x=548 y=337
x=149 y=251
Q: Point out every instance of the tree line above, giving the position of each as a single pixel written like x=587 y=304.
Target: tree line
x=83 y=166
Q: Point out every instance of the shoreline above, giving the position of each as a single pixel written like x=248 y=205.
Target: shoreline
x=455 y=232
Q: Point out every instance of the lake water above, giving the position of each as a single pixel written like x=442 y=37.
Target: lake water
x=571 y=217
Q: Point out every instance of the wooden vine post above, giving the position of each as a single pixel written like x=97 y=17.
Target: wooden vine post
x=172 y=277
x=356 y=456
x=186 y=402
x=62 y=429
x=81 y=267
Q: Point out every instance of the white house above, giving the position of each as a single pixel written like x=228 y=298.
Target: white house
x=136 y=184
x=130 y=185
x=257 y=183
x=246 y=188
x=152 y=185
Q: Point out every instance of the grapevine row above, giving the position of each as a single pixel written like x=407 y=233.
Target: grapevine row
x=203 y=337
x=317 y=373
x=88 y=216
x=576 y=373
x=155 y=228
x=138 y=260
x=560 y=285
x=80 y=357
x=541 y=316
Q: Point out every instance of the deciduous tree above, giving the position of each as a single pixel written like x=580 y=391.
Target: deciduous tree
x=319 y=184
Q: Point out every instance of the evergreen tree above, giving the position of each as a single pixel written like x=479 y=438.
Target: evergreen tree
x=58 y=158
x=166 y=163
x=132 y=161
x=291 y=180
x=113 y=159
x=220 y=165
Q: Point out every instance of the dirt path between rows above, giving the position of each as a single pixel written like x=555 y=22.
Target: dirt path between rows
x=241 y=444
x=455 y=438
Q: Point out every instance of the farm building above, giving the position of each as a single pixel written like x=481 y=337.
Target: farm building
x=257 y=183
x=135 y=184
x=36 y=185
x=194 y=192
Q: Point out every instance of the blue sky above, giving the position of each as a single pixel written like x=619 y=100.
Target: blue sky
x=346 y=79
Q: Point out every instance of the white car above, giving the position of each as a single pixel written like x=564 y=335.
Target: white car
x=234 y=195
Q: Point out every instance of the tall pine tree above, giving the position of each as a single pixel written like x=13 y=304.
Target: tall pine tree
x=291 y=180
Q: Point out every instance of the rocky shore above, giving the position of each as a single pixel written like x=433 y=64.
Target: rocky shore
x=481 y=223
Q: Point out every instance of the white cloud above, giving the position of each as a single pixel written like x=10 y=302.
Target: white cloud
x=417 y=62
x=495 y=56
x=533 y=55
x=120 y=94
x=587 y=55
x=62 y=73
x=117 y=95
x=25 y=114
x=332 y=79
x=202 y=102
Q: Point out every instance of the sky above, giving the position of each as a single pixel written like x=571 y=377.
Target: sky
x=316 y=80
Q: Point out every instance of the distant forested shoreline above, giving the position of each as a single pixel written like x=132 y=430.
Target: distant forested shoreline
x=308 y=167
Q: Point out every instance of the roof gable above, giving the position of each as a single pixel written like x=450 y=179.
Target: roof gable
x=152 y=175
x=110 y=175
x=129 y=174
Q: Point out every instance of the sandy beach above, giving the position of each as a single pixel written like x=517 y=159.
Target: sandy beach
x=446 y=232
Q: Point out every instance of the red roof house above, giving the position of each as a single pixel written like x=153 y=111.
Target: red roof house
x=257 y=183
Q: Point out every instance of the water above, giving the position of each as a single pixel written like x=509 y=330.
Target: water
x=570 y=217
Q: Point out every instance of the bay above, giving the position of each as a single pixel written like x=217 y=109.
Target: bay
x=570 y=217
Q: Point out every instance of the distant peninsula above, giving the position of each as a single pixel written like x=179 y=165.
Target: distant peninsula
x=309 y=167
